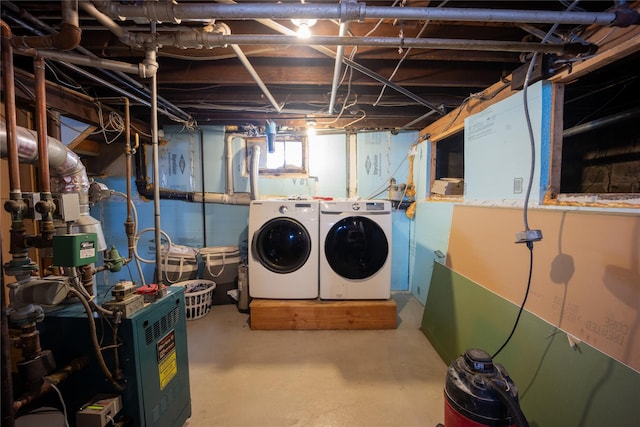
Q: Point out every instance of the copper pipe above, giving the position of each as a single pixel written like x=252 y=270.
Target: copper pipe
x=129 y=225
x=41 y=124
x=45 y=206
x=9 y=100
x=15 y=205
x=55 y=378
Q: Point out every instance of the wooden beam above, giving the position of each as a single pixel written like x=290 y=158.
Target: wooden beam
x=287 y=71
x=86 y=147
x=78 y=140
x=68 y=102
x=317 y=314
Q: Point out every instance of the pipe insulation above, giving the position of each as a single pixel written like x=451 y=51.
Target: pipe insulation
x=344 y=11
x=68 y=174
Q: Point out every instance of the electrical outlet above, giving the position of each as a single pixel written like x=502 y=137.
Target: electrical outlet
x=528 y=236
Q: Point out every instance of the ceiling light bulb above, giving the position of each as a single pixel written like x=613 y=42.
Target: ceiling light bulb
x=304 y=27
x=311 y=131
x=304 y=32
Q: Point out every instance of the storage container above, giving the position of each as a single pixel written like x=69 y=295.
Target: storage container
x=221 y=266
x=179 y=263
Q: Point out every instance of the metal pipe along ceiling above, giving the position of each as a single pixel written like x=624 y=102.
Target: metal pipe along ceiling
x=192 y=39
x=172 y=111
x=128 y=38
x=345 y=11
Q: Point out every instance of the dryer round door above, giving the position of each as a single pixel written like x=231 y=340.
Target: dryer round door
x=356 y=247
x=282 y=245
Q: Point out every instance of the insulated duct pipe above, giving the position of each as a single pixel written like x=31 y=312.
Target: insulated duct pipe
x=68 y=174
x=354 y=11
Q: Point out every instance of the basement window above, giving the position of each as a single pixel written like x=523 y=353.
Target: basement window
x=601 y=138
x=288 y=159
x=448 y=157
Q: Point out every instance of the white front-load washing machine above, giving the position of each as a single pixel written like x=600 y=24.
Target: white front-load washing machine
x=355 y=249
x=283 y=253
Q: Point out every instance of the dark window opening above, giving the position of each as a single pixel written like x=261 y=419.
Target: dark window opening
x=601 y=137
x=450 y=157
x=448 y=179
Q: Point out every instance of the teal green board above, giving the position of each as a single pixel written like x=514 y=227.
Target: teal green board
x=559 y=384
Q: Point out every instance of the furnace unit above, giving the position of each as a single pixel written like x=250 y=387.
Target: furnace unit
x=153 y=360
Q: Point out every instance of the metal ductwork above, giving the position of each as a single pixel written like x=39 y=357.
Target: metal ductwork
x=68 y=174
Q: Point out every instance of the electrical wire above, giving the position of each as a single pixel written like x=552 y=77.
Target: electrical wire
x=532 y=142
x=526 y=295
x=531 y=176
x=64 y=406
x=404 y=56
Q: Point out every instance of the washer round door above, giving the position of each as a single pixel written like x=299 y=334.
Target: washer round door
x=282 y=245
x=356 y=247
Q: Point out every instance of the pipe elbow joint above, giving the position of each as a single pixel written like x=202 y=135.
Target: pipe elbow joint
x=148 y=68
x=68 y=38
x=625 y=15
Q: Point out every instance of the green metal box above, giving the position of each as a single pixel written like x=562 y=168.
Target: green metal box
x=74 y=250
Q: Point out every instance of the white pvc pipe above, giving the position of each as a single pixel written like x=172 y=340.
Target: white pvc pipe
x=337 y=67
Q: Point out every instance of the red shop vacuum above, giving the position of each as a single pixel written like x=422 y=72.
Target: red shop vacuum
x=479 y=393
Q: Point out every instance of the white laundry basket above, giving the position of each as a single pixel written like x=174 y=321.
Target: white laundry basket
x=221 y=266
x=197 y=297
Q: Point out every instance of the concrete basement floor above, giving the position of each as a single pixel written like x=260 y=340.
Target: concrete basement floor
x=245 y=378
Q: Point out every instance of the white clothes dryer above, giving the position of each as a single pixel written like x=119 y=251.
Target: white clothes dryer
x=283 y=257
x=355 y=249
